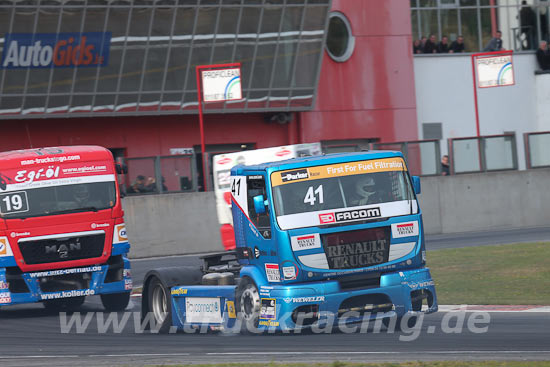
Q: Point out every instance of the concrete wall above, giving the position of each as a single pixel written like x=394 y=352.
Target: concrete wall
x=444 y=94
x=176 y=224
x=172 y=224
x=476 y=202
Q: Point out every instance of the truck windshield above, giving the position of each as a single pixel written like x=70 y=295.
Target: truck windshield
x=326 y=189
x=58 y=200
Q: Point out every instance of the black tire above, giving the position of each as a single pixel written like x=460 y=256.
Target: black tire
x=115 y=301
x=160 y=305
x=64 y=304
x=248 y=305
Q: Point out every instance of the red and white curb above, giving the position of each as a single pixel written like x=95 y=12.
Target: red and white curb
x=493 y=308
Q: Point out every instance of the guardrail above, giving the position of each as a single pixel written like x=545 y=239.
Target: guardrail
x=483 y=154
x=537 y=149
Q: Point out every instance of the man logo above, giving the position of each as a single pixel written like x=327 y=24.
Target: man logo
x=63 y=250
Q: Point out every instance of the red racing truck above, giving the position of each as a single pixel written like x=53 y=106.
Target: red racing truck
x=62 y=232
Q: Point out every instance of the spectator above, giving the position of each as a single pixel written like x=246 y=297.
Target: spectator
x=423 y=41
x=417 y=47
x=495 y=44
x=458 y=45
x=543 y=56
x=527 y=19
x=445 y=169
x=138 y=185
x=443 y=46
x=430 y=47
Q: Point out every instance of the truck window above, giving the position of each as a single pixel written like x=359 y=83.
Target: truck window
x=256 y=186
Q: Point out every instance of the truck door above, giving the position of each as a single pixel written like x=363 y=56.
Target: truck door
x=260 y=242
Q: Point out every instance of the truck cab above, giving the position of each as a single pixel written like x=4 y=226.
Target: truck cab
x=62 y=231
x=318 y=239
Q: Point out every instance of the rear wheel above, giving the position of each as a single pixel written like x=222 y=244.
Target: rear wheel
x=115 y=301
x=159 y=305
x=248 y=299
x=64 y=304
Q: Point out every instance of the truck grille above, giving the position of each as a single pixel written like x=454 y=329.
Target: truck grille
x=357 y=249
x=62 y=249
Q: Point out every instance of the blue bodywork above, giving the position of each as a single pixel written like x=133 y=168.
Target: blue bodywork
x=97 y=282
x=310 y=288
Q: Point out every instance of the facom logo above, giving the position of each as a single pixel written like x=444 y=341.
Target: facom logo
x=59 y=50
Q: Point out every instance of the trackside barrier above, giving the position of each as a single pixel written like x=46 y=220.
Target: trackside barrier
x=537 y=149
x=483 y=154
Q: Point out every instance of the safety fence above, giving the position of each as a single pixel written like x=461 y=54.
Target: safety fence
x=179 y=173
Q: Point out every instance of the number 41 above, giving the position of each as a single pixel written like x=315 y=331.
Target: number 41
x=310 y=195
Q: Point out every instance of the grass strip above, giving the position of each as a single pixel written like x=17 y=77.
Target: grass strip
x=516 y=274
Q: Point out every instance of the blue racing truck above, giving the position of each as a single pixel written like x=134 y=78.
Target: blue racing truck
x=320 y=239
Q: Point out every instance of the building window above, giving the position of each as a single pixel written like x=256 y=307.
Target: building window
x=340 y=40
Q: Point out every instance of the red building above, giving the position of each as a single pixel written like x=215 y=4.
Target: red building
x=370 y=96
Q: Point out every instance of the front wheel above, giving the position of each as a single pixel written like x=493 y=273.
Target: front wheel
x=248 y=299
x=115 y=301
x=159 y=305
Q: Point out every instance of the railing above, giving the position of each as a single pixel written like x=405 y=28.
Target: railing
x=537 y=149
x=422 y=156
x=483 y=154
x=161 y=174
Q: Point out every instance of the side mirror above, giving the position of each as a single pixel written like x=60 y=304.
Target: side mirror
x=259 y=204
x=416 y=185
x=121 y=168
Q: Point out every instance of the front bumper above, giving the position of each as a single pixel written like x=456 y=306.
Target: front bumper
x=113 y=277
x=291 y=307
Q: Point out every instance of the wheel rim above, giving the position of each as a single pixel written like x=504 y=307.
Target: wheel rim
x=250 y=302
x=160 y=309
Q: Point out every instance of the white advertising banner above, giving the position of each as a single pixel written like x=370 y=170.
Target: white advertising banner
x=221 y=84
x=495 y=71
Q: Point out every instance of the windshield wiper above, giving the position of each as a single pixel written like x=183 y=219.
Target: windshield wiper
x=75 y=210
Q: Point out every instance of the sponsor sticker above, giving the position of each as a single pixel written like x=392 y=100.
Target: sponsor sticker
x=231 y=309
x=268 y=308
x=3 y=246
x=300 y=174
x=305 y=299
x=358 y=214
x=306 y=242
x=121 y=233
x=67 y=294
x=289 y=272
x=399 y=230
x=89 y=269
x=178 y=291
x=4 y=285
x=327 y=218
x=272 y=272
x=203 y=310
x=268 y=323
x=5 y=297
x=128 y=284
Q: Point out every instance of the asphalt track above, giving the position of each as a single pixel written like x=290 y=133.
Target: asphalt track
x=30 y=336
